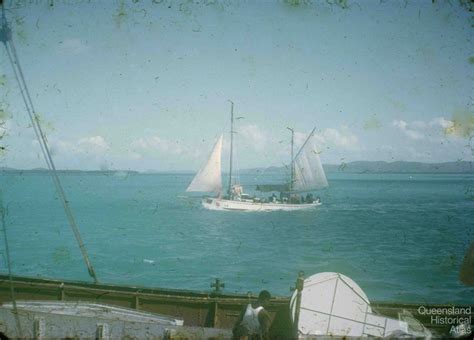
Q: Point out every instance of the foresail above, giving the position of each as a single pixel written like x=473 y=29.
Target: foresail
x=208 y=179
x=309 y=172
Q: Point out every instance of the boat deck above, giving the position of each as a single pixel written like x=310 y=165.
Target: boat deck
x=197 y=309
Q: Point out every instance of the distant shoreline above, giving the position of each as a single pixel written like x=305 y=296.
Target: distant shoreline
x=356 y=167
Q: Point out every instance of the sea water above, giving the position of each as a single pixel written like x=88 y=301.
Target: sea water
x=401 y=237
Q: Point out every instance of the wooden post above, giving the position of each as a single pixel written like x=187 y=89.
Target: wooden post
x=62 y=294
x=136 y=302
x=215 y=318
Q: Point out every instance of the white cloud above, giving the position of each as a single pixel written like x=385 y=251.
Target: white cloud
x=331 y=144
x=95 y=145
x=437 y=128
x=418 y=125
x=157 y=144
x=252 y=135
x=410 y=130
x=437 y=139
x=441 y=122
x=414 y=134
x=341 y=138
x=401 y=124
x=57 y=146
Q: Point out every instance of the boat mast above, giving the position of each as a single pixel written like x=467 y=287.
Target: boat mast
x=306 y=141
x=229 y=190
x=292 y=167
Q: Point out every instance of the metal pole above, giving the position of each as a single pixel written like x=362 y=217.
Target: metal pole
x=229 y=190
x=306 y=141
x=10 y=276
x=292 y=169
x=299 y=290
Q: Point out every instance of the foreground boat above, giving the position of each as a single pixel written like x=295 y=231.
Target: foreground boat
x=64 y=319
x=306 y=175
x=204 y=314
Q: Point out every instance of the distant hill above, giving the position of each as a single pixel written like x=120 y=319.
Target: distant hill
x=43 y=170
x=5 y=168
x=349 y=167
x=383 y=167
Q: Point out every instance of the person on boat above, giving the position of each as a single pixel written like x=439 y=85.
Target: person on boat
x=254 y=321
x=236 y=192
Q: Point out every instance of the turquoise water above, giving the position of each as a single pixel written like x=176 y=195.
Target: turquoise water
x=401 y=237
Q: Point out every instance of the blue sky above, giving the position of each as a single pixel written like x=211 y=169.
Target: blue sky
x=138 y=85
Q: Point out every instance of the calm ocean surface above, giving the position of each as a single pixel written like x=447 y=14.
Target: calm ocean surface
x=401 y=237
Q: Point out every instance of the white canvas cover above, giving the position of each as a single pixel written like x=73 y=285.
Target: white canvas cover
x=208 y=179
x=333 y=304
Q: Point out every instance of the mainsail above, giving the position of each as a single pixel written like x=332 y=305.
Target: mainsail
x=309 y=173
x=209 y=176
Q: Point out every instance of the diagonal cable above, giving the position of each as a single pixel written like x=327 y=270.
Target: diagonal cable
x=5 y=35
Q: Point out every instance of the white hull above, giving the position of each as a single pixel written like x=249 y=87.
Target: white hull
x=224 y=204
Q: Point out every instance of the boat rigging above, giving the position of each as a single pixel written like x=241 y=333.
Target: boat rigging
x=6 y=39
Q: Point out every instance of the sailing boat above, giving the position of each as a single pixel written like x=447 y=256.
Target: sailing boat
x=306 y=175
x=46 y=318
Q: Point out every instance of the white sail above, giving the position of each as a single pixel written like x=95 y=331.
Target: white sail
x=309 y=173
x=208 y=179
